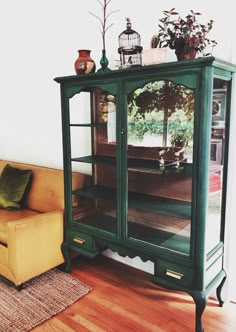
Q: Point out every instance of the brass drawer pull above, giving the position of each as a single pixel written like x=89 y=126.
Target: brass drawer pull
x=78 y=240
x=174 y=274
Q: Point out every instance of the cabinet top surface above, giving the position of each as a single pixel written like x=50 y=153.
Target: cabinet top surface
x=175 y=66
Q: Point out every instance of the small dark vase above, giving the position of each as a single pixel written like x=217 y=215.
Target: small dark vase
x=104 y=62
x=84 y=64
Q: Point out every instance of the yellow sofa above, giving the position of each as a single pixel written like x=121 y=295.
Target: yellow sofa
x=31 y=238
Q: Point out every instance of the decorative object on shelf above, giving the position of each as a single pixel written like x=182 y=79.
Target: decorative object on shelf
x=155 y=41
x=161 y=159
x=164 y=161
x=156 y=54
x=177 y=158
x=185 y=35
x=84 y=64
x=130 y=48
x=218 y=107
x=104 y=60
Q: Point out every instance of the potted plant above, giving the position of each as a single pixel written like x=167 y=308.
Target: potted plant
x=155 y=41
x=155 y=54
x=185 y=35
x=181 y=128
x=181 y=137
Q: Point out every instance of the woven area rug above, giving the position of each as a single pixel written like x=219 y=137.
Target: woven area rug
x=40 y=299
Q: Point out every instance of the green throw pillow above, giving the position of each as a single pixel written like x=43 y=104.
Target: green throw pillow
x=14 y=183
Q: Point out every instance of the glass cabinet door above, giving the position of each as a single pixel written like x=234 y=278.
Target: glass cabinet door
x=160 y=121
x=216 y=196
x=93 y=150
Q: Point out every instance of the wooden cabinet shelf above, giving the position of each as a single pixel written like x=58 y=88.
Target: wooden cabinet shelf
x=96 y=159
x=163 y=205
x=91 y=125
x=99 y=222
x=147 y=165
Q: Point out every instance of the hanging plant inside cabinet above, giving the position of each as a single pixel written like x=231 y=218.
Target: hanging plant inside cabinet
x=104 y=27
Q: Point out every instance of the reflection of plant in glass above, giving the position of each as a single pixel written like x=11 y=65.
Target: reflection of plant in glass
x=164 y=98
x=151 y=123
x=180 y=128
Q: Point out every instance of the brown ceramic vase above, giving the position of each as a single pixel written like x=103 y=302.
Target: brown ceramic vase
x=84 y=64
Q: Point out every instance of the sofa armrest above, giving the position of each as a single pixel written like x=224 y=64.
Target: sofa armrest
x=34 y=245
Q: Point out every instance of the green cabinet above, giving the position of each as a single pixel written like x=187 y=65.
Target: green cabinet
x=154 y=141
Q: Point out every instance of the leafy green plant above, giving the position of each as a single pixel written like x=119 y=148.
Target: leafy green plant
x=162 y=96
x=185 y=34
x=181 y=128
x=161 y=108
x=151 y=123
x=155 y=41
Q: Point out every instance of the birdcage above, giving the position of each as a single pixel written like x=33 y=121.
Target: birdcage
x=130 y=48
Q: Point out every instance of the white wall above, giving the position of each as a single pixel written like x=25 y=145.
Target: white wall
x=39 y=41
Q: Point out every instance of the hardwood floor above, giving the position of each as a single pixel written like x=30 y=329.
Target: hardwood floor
x=123 y=299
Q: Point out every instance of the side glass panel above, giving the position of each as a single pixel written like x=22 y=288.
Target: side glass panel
x=160 y=148
x=217 y=161
x=93 y=151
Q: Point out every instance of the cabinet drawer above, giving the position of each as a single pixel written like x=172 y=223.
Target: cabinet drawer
x=168 y=272
x=83 y=242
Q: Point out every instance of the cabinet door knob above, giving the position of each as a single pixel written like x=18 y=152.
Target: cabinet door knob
x=122 y=132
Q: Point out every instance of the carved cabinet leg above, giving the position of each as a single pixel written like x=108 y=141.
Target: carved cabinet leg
x=200 y=300
x=218 y=292
x=65 y=252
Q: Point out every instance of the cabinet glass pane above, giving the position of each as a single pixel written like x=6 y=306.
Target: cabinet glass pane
x=160 y=148
x=217 y=148
x=78 y=103
x=93 y=143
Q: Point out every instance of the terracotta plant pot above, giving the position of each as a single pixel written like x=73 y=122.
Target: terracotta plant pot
x=154 y=56
x=181 y=55
x=186 y=49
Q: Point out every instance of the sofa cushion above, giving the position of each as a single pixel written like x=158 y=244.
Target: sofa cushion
x=8 y=216
x=14 y=183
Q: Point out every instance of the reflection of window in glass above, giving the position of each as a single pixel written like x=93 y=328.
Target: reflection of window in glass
x=78 y=102
x=161 y=114
x=107 y=113
x=111 y=119
x=216 y=108
x=216 y=169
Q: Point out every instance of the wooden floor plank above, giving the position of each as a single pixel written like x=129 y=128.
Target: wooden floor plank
x=123 y=299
